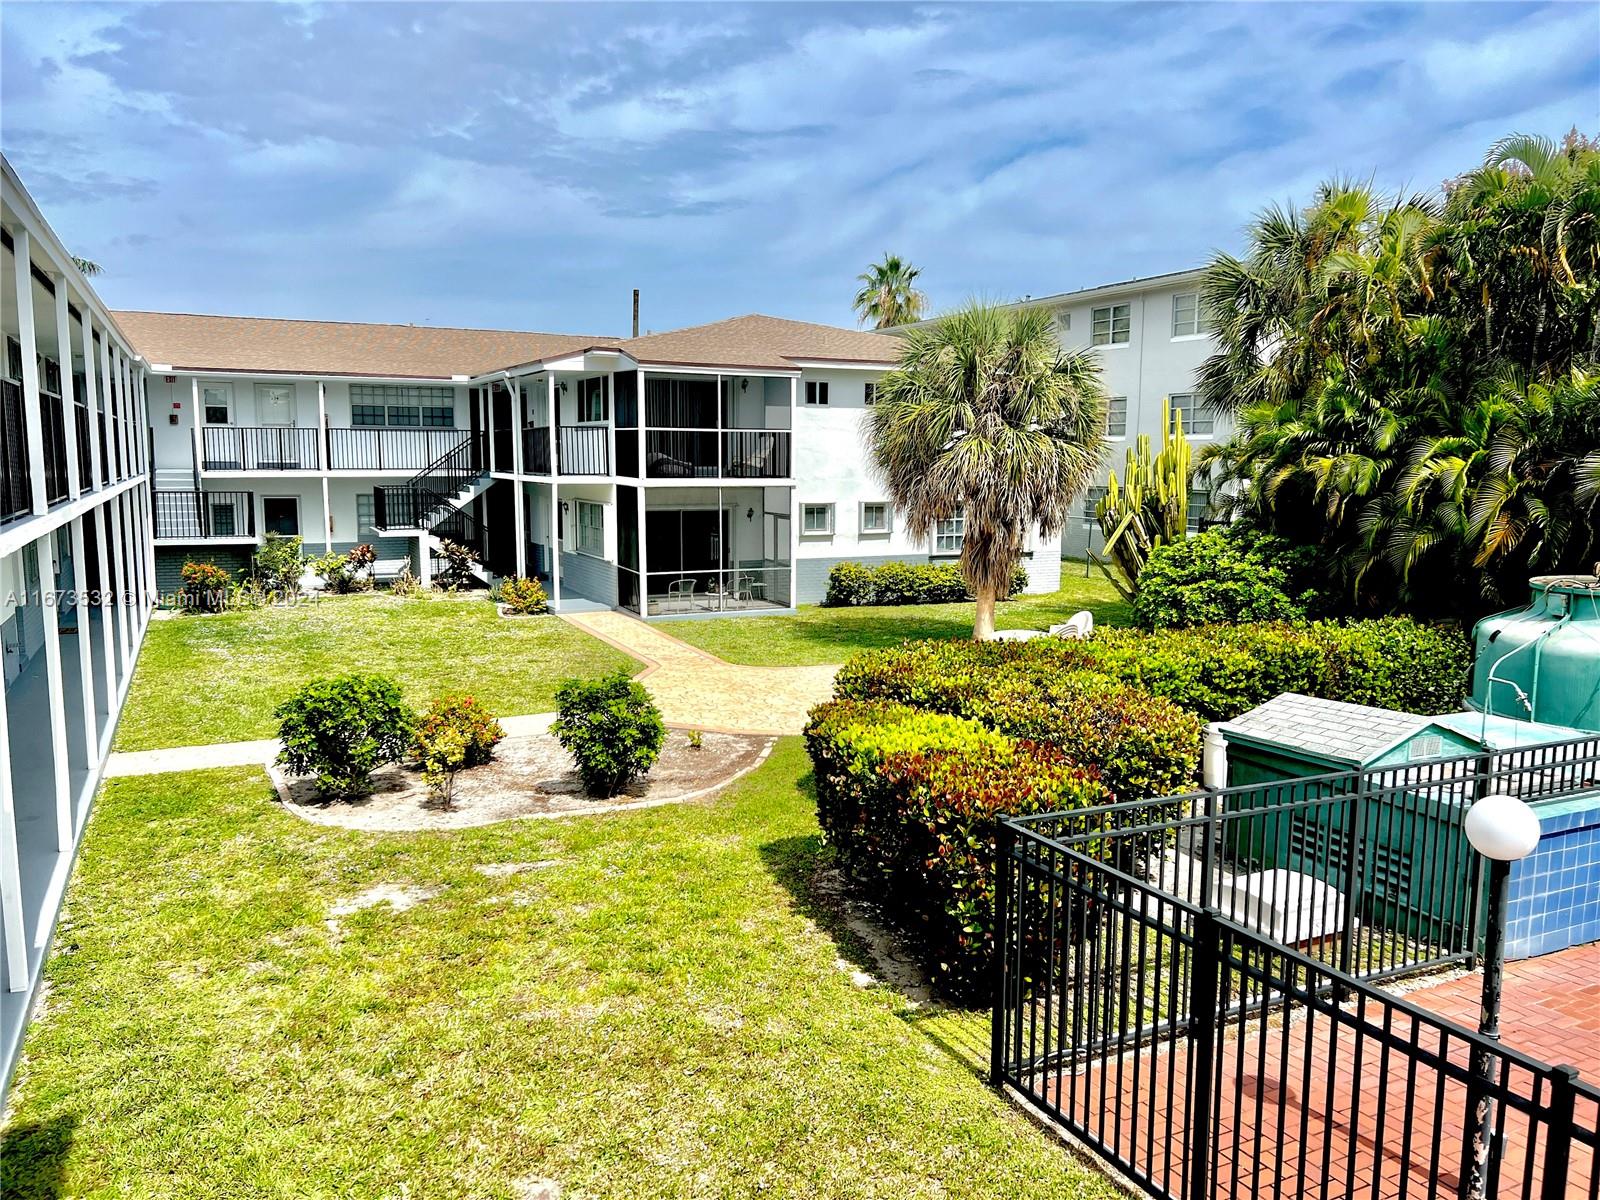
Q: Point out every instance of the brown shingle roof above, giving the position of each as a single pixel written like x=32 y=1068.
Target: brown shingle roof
x=191 y=342
x=759 y=341
x=186 y=341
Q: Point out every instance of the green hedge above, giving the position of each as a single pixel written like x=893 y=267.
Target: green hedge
x=853 y=583
x=1225 y=575
x=910 y=800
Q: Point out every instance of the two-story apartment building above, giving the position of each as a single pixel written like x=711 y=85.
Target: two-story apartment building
x=700 y=471
x=77 y=580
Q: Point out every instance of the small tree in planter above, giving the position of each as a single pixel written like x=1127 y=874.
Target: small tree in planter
x=341 y=730
x=611 y=728
x=205 y=586
x=523 y=597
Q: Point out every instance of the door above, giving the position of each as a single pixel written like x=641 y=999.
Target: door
x=275 y=403
x=280 y=514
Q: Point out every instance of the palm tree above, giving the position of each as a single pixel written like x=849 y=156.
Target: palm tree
x=86 y=266
x=888 y=294
x=988 y=420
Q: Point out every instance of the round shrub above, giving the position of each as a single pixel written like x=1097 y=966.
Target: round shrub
x=279 y=563
x=468 y=720
x=611 y=728
x=524 y=597
x=205 y=586
x=849 y=583
x=1224 y=575
x=896 y=583
x=340 y=730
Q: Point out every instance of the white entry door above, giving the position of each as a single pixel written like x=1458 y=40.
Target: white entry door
x=275 y=403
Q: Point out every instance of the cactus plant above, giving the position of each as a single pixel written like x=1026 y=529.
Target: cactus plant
x=1149 y=506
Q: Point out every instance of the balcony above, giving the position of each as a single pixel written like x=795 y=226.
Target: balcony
x=16 y=483
x=373 y=448
x=53 y=417
x=190 y=515
x=708 y=454
x=260 y=448
x=583 y=450
x=80 y=418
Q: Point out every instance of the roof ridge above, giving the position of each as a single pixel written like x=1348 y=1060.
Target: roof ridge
x=151 y=312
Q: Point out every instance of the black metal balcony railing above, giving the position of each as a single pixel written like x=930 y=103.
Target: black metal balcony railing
x=105 y=446
x=80 y=418
x=704 y=454
x=430 y=496
x=185 y=513
x=536 y=450
x=260 y=448
x=373 y=448
x=584 y=450
x=53 y=421
x=16 y=484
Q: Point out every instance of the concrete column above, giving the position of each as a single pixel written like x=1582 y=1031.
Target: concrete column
x=108 y=404
x=555 y=545
x=69 y=410
x=794 y=494
x=28 y=338
x=91 y=400
x=15 y=977
x=644 y=559
x=327 y=518
x=424 y=560
x=45 y=549
x=108 y=653
x=91 y=738
x=520 y=521
x=487 y=391
x=125 y=660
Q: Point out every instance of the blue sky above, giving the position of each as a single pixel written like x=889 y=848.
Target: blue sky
x=524 y=166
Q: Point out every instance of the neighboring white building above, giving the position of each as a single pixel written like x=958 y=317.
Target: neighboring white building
x=1151 y=339
x=77 y=578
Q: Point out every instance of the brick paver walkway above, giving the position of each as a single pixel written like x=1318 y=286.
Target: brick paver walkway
x=698 y=689
x=1334 y=1114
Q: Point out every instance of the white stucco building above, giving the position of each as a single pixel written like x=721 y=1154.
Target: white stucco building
x=77 y=578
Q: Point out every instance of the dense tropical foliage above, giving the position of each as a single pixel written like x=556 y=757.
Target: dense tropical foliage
x=987 y=422
x=888 y=295
x=1415 y=380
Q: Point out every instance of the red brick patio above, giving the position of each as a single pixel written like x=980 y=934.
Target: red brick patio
x=1330 y=1104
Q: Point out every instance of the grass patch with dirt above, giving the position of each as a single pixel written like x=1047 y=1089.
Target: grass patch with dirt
x=815 y=635
x=651 y=1004
x=217 y=678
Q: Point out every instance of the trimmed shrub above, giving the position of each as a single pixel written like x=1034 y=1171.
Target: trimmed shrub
x=455 y=566
x=1395 y=662
x=895 y=583
x=611 y=728
x=279 y=563
x=340 y=730
x=524 y=597
x=1224 y=575
x=205 y=586
x=910 y=801
x=334 y=571
x=362 y=559
x=479 y=732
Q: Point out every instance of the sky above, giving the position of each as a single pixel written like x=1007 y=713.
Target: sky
x=525 y=166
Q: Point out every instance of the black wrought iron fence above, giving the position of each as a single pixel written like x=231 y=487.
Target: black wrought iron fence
x=1189 y=984
x=53 y=422
x=260 y=448
x=16 y=481
x=182 y=513
x=584 y=450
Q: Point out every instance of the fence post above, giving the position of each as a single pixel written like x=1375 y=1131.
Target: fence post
x=1485 y=770
x=1202 y=1028
x=1558 y=1145
x=1005 y=840
x=1352 y=885
x=1208 y=849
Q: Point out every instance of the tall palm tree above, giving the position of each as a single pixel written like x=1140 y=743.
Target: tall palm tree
x=888 y=294
x=86 y=266
x=987 y=419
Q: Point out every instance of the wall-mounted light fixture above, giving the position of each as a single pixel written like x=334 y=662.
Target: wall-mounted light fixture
x=749 y=514
x=744 y=385
x=562 y=387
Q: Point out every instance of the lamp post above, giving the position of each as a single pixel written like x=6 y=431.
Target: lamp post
x=1503 y=829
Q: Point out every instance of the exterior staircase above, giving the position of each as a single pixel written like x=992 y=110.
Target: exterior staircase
x=434 y=500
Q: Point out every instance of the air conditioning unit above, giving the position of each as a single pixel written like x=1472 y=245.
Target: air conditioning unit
x=1290 y=907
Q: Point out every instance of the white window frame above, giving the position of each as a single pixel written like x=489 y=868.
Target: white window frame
x=888 y=518
x=372 y=512
x=1116 y=434
x=263 y=391
x=1091 y=501
x=1109 y=338
x=226 y=391
x=949 y=534
x=594 y=544
x=869 y=393
x=817 y=393
x=1064 y=320
x=580 y=400
x=1192 y=411
x=1197 y=512
x=1196 y=325
x=805 y=518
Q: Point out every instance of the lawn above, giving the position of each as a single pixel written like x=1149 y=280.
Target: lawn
x=659 y=1007
x=817 y=635
x=204 y=679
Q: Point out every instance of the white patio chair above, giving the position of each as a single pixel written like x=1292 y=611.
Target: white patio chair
x=1079 y=627
x=681 y=591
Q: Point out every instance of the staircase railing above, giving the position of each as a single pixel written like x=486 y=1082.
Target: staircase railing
x=429 y=495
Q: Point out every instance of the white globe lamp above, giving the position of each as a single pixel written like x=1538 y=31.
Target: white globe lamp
x=1502 y=828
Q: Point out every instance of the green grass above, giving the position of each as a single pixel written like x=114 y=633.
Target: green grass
x=203 y=679
x=818 y=635
x=658 y=1012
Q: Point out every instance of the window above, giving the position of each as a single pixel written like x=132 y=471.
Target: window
x=280 y=514
x=592 y=400
x=1117 y=417
x=816 y=518
x=217 y=401
x=1196 y=421
x=1199 y=509
x=947 y=535
x=871 y=394
x=1091 y=504
x=364 y=513
x=874 y=517
x=402 y=406
x=1187 y=319
x=1064 y=321
x=224 y=521
x=816 y=392
x=1112 y=324
x=591 y=528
